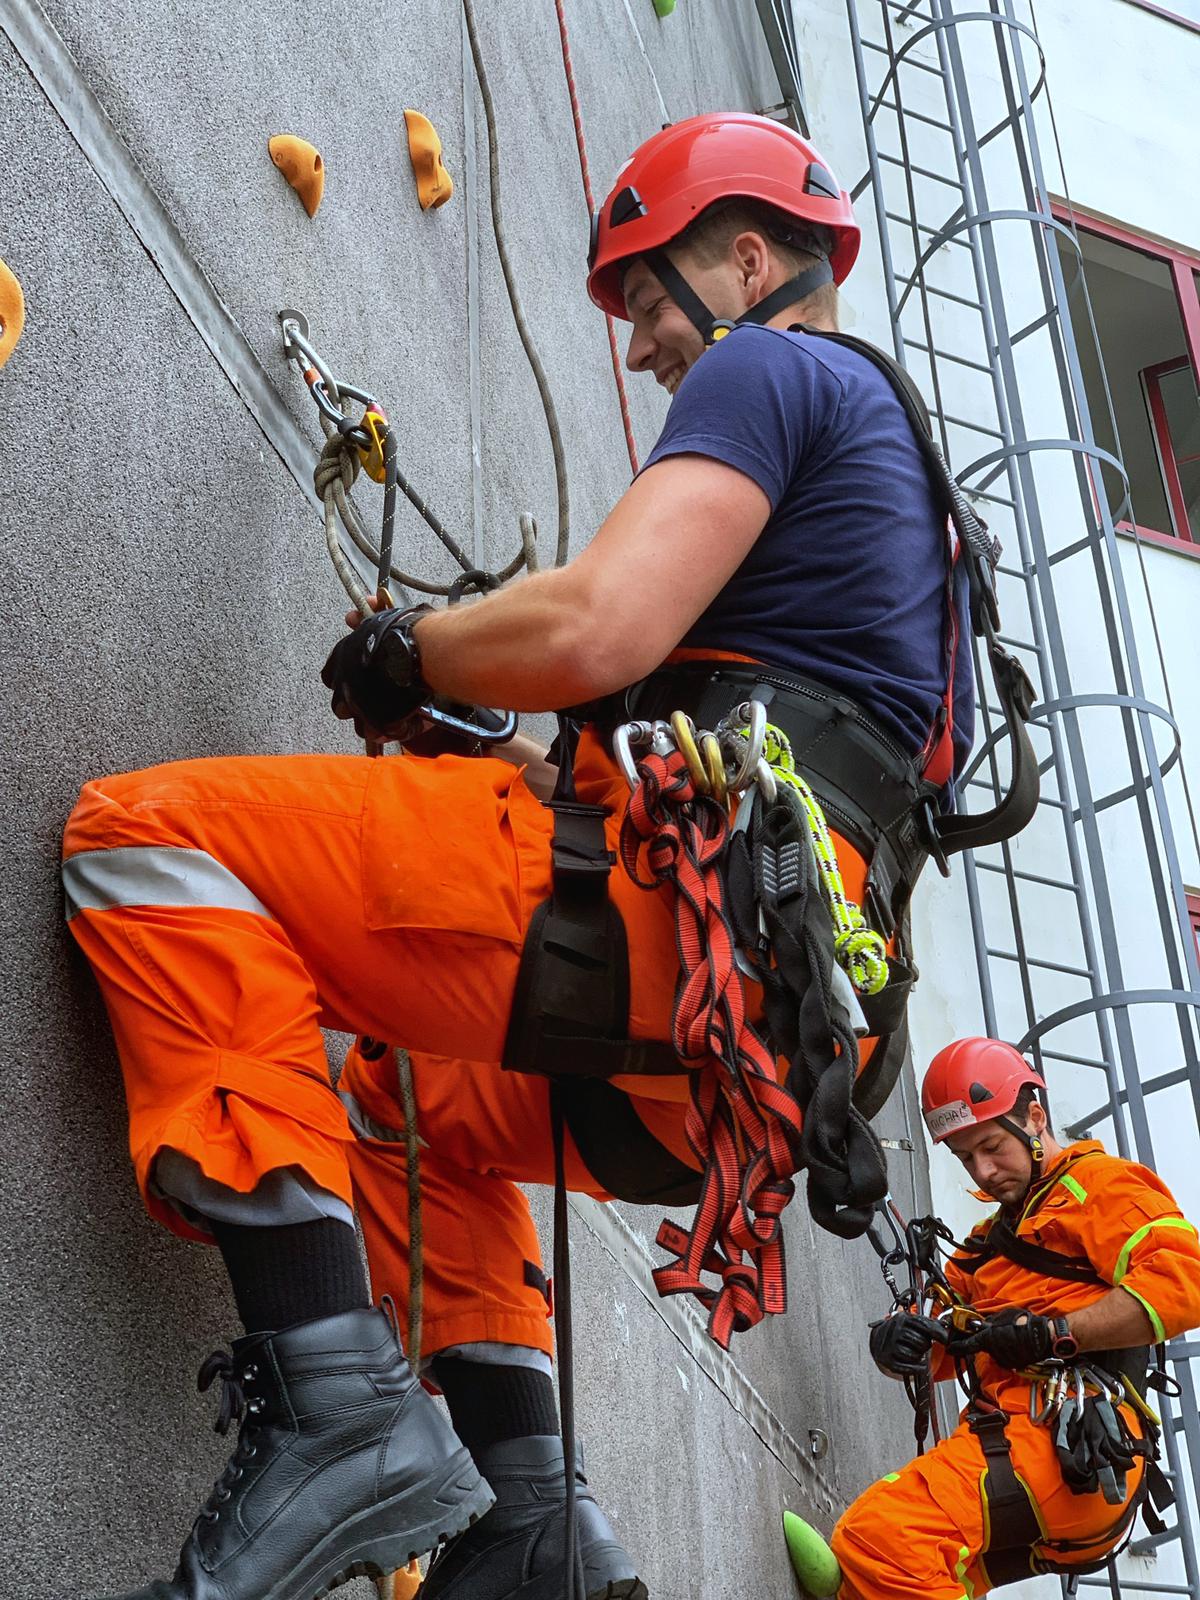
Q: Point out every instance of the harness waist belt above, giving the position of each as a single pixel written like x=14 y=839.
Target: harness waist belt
x=871 y=792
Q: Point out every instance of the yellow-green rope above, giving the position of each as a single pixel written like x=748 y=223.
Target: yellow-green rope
x=860 y=951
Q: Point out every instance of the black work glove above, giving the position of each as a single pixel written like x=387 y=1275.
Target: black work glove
x=1013 y=1338
x=901 y=1343
x=375 y=675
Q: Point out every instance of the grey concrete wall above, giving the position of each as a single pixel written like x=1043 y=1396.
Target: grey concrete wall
x=166 y=594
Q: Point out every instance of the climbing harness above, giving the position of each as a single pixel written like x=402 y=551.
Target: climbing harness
x=1079 y=1400
x=708 y=817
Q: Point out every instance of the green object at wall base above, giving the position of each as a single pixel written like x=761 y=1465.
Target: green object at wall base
x=663 y=8
x=813 y=1562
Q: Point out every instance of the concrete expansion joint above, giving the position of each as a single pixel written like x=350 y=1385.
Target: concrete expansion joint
x=620 y=1242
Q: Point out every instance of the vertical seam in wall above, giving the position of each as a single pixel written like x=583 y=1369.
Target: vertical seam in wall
x=470 y=169
x=57 y=74
x=614 y=1234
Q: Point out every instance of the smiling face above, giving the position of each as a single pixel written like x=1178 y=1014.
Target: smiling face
x=663 y=340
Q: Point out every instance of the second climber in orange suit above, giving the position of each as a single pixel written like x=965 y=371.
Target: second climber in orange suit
x=1087 y=1264
x=231 y=907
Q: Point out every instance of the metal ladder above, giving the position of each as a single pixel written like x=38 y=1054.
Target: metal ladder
x=970 y=245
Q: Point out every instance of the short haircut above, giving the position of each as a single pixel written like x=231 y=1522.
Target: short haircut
x=797 y=244
x=1024 y=1100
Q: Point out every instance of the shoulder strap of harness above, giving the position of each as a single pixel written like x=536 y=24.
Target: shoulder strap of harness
x=1002 y=1239
x=980 y=555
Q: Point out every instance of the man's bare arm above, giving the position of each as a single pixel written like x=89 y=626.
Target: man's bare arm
x=1114 y=1322
x=665 y=551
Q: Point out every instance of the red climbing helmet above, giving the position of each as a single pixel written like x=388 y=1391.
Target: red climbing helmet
x=972 y=1081
x=678 y=173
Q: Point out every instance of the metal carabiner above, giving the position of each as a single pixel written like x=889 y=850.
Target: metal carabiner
x=755 y=713
x=628 y=736
x=683 y=730
x=474 y=730
x=714 y=763
x=764 y=780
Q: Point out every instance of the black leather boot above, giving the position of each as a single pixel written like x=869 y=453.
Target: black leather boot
x=517 y=1551
x=344 y=1466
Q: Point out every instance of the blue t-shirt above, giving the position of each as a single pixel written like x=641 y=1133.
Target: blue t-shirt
x=846 y=583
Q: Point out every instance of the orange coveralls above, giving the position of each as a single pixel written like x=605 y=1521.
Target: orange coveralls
x=232 y=907
x=922 y=1530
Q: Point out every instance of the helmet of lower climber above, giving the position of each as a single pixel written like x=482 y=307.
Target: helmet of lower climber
x=979 y=1080
x=692 y=165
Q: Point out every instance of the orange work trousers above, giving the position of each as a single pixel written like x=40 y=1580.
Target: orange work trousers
x=231 y=908
x=922 y=1530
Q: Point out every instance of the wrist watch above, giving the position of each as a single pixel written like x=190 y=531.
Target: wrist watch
x=1064 y=1346
x=397 y=651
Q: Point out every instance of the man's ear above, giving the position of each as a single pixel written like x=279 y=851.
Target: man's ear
x=753 y=259
x=1036 y=1120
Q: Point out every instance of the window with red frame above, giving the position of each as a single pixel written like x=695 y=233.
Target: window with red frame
x=1147 y=315
x=1193 y=901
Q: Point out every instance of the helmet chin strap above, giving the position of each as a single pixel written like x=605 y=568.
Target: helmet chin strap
x=712 y=328
x=1031 y=1141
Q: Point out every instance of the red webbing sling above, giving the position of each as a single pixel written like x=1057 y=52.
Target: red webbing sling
x=743 y=1126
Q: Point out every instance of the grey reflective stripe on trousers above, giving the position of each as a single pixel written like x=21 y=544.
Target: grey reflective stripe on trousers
x=153 y=875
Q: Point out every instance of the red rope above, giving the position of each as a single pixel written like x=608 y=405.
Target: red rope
x=741 y=1122
x=614 y=349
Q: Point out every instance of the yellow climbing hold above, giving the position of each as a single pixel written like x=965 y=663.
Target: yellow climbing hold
x=12 y=312
x=434 y=183
x=301 y=164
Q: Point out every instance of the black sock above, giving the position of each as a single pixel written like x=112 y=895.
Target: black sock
x=489 y=1404
x=295 y=1273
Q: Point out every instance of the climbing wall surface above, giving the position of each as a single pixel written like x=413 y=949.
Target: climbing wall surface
x=167 y=594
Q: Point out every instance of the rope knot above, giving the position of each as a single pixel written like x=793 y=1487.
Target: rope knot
x=339 y=460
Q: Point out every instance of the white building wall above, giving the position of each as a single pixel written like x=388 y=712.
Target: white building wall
x=1122 y=85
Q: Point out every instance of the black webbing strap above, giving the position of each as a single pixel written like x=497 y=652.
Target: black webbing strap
x=1013 y=1528
x=775 y=874
x=712 y=328
x=870 y=791
x=980 y=554
x=570 y=1012
x=619 y=1150
x=1002 y=1240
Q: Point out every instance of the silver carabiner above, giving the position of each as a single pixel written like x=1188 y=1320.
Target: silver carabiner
x=764 y=780
x=627 y=736
x=472 y=730
x=755 y=713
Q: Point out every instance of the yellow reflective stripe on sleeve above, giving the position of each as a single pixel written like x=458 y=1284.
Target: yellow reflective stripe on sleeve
x=1073 y=1186
x=1160 y=1333
x=890 y=1477
x=1135 y=1239
x=960 y=1572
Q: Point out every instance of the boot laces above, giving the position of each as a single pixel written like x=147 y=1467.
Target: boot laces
x=240 y=1405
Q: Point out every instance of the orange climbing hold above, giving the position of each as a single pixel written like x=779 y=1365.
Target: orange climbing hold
x=406 y=1583
x=434 y=183
x=301 y=164
x=12 y=312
